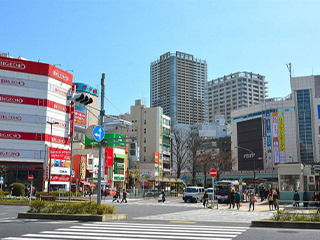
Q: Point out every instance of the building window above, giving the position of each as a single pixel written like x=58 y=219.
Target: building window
x=144 y=149
x=145 y=131
x=145 y=121
x=144 y=140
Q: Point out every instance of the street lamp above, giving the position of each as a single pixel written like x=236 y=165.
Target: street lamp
x=254 y=165
x=49 y=177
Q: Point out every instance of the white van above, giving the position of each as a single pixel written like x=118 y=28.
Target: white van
x=193 y=194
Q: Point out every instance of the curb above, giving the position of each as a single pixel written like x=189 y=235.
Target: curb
x=80 y=217
x=283 y=224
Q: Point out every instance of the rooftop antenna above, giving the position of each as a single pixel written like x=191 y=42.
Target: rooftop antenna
x=290 y=69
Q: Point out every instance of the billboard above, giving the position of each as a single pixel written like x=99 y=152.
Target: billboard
x=249 y=134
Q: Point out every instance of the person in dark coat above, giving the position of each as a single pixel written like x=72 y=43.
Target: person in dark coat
x=296 y=199
x=205 y=199
x=124 y=196
x=232 y=198
x=305 y=199
x=163 y=196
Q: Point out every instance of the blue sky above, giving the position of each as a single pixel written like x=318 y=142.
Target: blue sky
x=122 y=37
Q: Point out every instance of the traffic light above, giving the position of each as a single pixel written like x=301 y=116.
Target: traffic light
x=133 y=149
x=81 y=98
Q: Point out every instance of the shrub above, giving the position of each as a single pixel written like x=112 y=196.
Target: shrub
x=37 y=206
x=1 y=193
x=17 y=189
x=105 y=209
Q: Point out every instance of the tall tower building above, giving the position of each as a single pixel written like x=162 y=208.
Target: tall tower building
x=234 y=91
x=178 y=85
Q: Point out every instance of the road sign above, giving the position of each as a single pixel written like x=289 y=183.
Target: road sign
x=98 y=133
x=30 y=177
x=213 y=172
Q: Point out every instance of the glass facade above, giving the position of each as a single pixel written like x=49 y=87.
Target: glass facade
x=304 y=123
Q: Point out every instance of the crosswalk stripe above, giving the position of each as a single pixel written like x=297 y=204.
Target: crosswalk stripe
x=136 y=231
x=146 y=234
x=156 y=225
x=159 y=229
x=151 y=232
x=138 y=237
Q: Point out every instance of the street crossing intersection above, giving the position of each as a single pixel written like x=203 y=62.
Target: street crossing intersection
x=137 y=231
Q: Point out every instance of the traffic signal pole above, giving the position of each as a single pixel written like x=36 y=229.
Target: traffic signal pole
x=100 y=143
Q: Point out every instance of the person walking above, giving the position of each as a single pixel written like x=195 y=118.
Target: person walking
x=232 y=196
x=270 y=199
x=305 y=199
x=205 y=199
x=252 y=200
x=296 y=199
x=124 y=196
x=275 y=200
x=163 y=196
x=237 y=199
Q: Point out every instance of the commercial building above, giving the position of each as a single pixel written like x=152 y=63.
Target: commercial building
x=235 y=91
x=152 y=130
x=282 y=132
x=178 y=85
x=34 y=122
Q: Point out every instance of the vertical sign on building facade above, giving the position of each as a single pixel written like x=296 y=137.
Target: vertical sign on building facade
x=269 y=140
x=282 y=146
x=276 y=152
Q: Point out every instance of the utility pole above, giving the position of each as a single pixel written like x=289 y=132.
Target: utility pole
x=101 y=142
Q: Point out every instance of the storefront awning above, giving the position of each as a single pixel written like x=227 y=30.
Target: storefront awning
x=118 y=155
x=85 y=183
x=90 y=171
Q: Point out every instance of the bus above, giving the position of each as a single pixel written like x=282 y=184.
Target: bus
x=222 y=188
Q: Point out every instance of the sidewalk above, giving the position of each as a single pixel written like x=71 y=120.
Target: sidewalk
x=258 y=206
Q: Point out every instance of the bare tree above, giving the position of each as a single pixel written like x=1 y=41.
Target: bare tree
x=180 y=149
x=194 y=146
x=205 y=163
x=222 y=162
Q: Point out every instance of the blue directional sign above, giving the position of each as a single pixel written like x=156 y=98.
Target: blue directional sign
x=1 y=178
x=98 y=133
x=240 y=178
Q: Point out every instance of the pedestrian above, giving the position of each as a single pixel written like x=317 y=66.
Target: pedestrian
x=232 y=196
x=296 y=199
x=252 y=200
x=305 y=199
x=115 y=197
x=275 y=200
x=237 y=199
x=205 y=199
x=270 y=199
x=105 y=193
x=163 y=195
x=124 y=196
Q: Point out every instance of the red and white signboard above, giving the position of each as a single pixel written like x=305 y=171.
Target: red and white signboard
x=34 y=101
x=80 y=118
x=60 y=154
x=59 y=178
x=19 y=65
x=213 y=172
x=30 y=177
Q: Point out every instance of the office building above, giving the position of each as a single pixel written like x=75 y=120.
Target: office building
x=234 y=91
x=178 y=85
x=152 y=131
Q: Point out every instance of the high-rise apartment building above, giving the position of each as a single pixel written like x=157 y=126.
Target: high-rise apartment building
x=178 y=85
x=234 y=91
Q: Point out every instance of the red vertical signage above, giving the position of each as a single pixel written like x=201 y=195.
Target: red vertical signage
x=72 y=112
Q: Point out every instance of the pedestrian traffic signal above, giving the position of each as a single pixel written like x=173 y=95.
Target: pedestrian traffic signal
x=81 y=98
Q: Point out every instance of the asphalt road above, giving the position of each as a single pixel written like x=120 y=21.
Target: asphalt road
x=173 y=213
